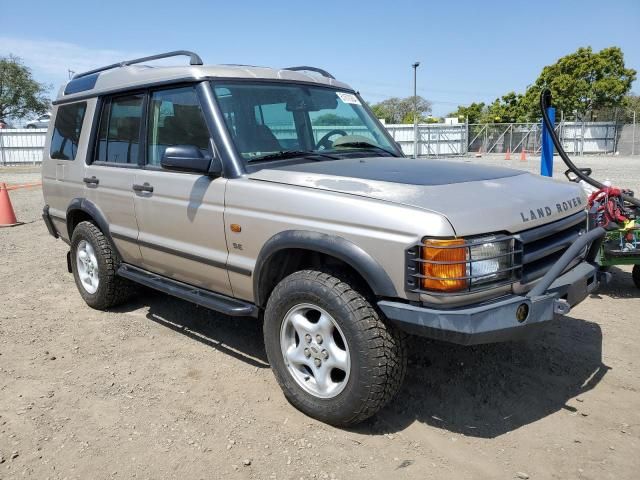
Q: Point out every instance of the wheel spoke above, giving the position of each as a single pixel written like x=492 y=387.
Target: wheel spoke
x=338 y=358
x=301 y=324
x=322 y=376
x=296 y=356
x=324 y=326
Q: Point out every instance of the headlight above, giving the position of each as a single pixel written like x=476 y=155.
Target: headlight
x=490 y=260
x=458 y=264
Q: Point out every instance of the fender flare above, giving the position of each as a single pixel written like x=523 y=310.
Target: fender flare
x=90 y=208
x=338 y=247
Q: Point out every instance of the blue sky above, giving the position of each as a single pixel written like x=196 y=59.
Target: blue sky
x=469 y=50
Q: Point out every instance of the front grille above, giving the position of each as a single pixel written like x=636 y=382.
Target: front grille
x=543 y=246
x=534 y=251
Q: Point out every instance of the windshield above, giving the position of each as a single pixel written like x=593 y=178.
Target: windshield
x=270 y=121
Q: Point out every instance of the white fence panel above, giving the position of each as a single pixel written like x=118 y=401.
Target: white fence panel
x=433 y=139
x=21 y=145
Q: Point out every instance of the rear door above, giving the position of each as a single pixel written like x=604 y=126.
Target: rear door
x=63 y=159
x=180 y=215
x=110 y=176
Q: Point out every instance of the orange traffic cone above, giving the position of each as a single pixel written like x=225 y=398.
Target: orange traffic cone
x=508 y=155
x=7 y=215
x=523 y=155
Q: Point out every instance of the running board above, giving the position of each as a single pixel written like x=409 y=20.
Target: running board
x=214 y=301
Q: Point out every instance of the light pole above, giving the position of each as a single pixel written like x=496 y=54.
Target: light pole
x=415 y=109
x=633 y=135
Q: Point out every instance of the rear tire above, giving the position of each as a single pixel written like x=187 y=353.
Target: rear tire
x=635 y=274
x=332 y=354
x=94 y=262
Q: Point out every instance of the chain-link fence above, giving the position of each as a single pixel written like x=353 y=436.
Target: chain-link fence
x=21 y=146
x=576 y=137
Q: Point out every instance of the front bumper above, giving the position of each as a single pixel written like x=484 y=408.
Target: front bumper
x=554 y=295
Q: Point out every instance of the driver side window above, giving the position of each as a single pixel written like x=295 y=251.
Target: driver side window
x=175 y=119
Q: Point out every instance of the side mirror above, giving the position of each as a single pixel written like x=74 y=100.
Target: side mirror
x=189 y=158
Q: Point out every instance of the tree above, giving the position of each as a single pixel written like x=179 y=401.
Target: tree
x=630 y=104
x=472 y=112
x=400 y=110
x=506 y=109
x=20 y=94
x=330 y=119
x=582 y=82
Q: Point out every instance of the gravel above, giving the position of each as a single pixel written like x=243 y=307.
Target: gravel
x=130 y=388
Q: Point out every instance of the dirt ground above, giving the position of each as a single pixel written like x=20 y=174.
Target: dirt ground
x=160 y=388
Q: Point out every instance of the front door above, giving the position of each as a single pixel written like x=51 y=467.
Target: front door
x=180 y=216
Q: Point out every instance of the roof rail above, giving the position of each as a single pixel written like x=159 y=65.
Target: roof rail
x=303 y=68
x=193 y=60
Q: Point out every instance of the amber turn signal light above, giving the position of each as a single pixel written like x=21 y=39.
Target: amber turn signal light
x=445 y=265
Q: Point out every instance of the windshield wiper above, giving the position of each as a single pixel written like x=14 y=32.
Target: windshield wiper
x=365 y=146
x=285 y=154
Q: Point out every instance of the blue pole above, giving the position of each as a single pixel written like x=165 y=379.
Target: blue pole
x=546 y=162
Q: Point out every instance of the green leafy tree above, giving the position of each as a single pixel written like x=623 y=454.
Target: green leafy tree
x=506 y=109
x=473 y=112
x=630 y=104
x=582 y=82
x=400 y=110
x=329 y=119
x=20 y=94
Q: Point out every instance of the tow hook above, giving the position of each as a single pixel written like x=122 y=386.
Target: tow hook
x=561 y=306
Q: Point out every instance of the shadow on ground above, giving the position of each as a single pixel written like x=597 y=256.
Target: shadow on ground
x=488 y=390
x=238 y=337
x=481 y=391
x=621 y=286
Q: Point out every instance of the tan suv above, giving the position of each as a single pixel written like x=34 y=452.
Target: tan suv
x=277 y=194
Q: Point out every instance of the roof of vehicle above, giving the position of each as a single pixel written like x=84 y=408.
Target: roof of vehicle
x=116 y=77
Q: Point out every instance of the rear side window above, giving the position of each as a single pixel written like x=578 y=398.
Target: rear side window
x=119 y=132
x=66 y=131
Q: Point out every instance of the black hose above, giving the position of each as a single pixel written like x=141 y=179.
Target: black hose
x=545 y=101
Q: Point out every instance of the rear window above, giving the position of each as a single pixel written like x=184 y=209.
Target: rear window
x=66 y=131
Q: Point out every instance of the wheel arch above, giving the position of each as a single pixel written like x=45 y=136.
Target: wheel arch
x=81 y=209
x=300 y=242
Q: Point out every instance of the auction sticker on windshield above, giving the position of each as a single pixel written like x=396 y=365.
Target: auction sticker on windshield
x=348 y=98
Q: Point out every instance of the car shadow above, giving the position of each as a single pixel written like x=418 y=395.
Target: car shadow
x=238 y=337
x=488 y=390
x=620 y=286
x=481 y=391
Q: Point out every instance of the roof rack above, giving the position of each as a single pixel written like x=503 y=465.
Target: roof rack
x=303 y=68
x=193 y=60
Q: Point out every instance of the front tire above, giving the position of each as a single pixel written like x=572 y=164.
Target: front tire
x=94 y=264
x=332 y=354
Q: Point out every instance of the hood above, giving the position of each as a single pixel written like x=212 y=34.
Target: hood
x=475 y=199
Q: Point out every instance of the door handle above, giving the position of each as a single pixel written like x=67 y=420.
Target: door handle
x=91 y=180
x=145 y=187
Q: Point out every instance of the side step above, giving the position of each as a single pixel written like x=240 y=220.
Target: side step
x=205 y=298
